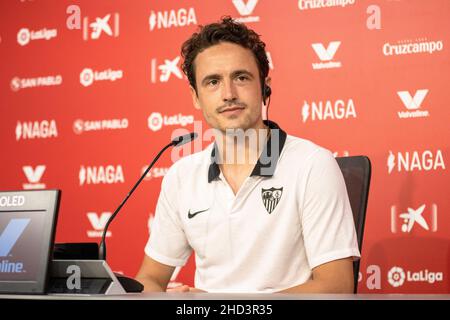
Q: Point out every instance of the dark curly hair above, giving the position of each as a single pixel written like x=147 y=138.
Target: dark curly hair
x=226 y=30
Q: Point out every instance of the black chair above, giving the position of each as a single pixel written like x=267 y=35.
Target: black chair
x=357 y=172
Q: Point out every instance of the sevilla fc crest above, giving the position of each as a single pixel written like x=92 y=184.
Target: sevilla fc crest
x=271 y=197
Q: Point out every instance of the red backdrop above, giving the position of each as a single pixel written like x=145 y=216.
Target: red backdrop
x=91 y=90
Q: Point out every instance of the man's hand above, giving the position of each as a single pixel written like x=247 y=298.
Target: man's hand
x=183 y=288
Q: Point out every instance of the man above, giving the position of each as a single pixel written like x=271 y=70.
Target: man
x=276 y=218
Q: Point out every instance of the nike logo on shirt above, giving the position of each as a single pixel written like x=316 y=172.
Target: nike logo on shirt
x=191 y=215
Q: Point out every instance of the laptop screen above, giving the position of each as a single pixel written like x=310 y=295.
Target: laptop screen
x=27 y=230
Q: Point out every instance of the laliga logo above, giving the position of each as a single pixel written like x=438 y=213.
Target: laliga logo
x=156 y=120
x=88 y=76
x=24 y=36
x=397 y=276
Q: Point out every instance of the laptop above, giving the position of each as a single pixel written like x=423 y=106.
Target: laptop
x=27 y=231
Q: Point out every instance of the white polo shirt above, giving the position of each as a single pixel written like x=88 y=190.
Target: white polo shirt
x=290 y=215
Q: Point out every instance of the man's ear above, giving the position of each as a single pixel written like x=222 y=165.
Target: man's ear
x=194 y=95
x=268 y=81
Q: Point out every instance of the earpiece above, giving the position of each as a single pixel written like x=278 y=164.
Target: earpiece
x=267 y=91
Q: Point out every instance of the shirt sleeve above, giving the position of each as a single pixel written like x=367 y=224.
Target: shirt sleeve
x=327 y=220
x=167 y=243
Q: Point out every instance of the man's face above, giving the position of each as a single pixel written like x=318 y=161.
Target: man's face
x=228 y=87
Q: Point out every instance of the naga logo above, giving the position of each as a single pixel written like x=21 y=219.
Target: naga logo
x=8 y=239
x=101 y=175
x=156 y=120
x=80 y=126
x=25 y=35
x=45 y=81
x=324 y=110
x=415 y=161
x=172 y=18
x=36 y=130
x=412 y=47
x=245 y=9
x=413 y=104
x=413 y=217
x=165 y=70
x=88 y=76
x=320 y=4
x=101 y=26
x=326 y=55
x=397 y=276
x=98 y=223
x=34 y=177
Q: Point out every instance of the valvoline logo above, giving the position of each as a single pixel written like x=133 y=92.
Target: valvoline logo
x=8 y=239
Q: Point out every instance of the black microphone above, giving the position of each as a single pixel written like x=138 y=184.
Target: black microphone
x=176 y=142
x=180 y=140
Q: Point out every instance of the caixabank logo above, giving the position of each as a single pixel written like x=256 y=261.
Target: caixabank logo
x=10 y=235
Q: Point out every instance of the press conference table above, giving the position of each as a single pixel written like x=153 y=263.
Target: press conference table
x=232 y=296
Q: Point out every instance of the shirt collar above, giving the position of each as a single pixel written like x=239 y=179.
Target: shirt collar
x=267 y=162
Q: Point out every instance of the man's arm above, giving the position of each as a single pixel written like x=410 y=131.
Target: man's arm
x=332 y=277
x=153 y=275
